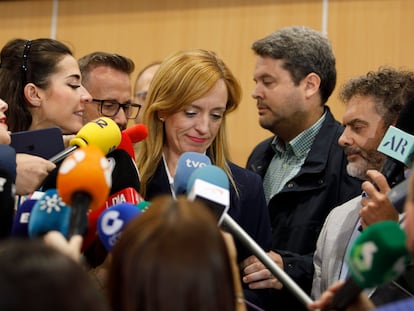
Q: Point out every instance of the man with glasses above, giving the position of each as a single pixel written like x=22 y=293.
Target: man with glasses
x=106 y=76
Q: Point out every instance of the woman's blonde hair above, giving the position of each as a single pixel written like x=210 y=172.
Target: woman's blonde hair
x=181 y=79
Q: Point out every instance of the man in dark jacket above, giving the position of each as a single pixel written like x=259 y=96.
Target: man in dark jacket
x=302 y=166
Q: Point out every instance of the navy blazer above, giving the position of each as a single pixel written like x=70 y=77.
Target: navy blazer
x=298 y=211
x=248 y=208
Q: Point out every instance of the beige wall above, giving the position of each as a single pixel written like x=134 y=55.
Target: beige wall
x=365 y=34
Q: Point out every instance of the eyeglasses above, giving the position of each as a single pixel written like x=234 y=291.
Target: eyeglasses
x=110 y=108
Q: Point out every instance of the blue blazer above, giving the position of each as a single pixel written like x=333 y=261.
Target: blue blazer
x=248 y=208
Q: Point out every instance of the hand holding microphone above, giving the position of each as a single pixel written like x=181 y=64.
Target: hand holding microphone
x=377 y=257
x=210 y=184
x=102 y=132
x=83 y=182
x=187 y=163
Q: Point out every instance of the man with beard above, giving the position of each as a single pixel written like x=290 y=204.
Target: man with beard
x=373 y=102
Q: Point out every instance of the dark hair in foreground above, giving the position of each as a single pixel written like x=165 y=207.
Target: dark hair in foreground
x=34 y=276
x=172 y=257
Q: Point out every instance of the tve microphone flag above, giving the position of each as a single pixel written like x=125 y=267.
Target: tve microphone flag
x=103 y=133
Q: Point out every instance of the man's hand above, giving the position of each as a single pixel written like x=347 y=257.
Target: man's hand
x=31 y=172
x=376 y=206
x=257 y=275
x=362 y=303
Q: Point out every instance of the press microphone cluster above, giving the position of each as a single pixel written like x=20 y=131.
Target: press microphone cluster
x=103 y=133
x=210 y=184
x=112 y=222
x=378 y=256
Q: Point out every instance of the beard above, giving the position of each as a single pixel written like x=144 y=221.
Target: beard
x=371 y=160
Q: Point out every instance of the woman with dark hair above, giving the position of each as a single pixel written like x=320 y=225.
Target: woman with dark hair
x=41 y=82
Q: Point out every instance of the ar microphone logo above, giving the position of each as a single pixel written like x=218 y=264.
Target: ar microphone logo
x=398 y=145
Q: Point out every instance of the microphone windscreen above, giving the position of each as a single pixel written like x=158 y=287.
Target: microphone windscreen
x=112 y=222
x=136 y=133
x=210 y=184
x=21 y=219
x=186 y=164
x=103 y=133
x=211 y=174
x=7 y=189
x=7 y=162
x=49 y=213
x=378 y=255
x=86 y=171
x=126 y=144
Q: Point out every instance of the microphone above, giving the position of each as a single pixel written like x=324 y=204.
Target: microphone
x=102 y=132
x=132 y=135
x=112 y=222
x=219 y=182
x=21 y=219
x=7 y=188
x=377 y=257
x=49 y=213
x=186 y=164
x=398 y=145
x=210 y=182
x=83 y=182
x=125 y=187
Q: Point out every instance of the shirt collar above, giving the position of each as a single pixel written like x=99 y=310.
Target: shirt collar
x=301 y=144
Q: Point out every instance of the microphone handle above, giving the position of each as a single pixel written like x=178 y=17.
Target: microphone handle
x=62 y=155
x=345 y=296
x=78 y=215
x=266 y=260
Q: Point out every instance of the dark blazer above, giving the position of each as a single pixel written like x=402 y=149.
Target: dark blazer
x=298 y=211
x=248 y=208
